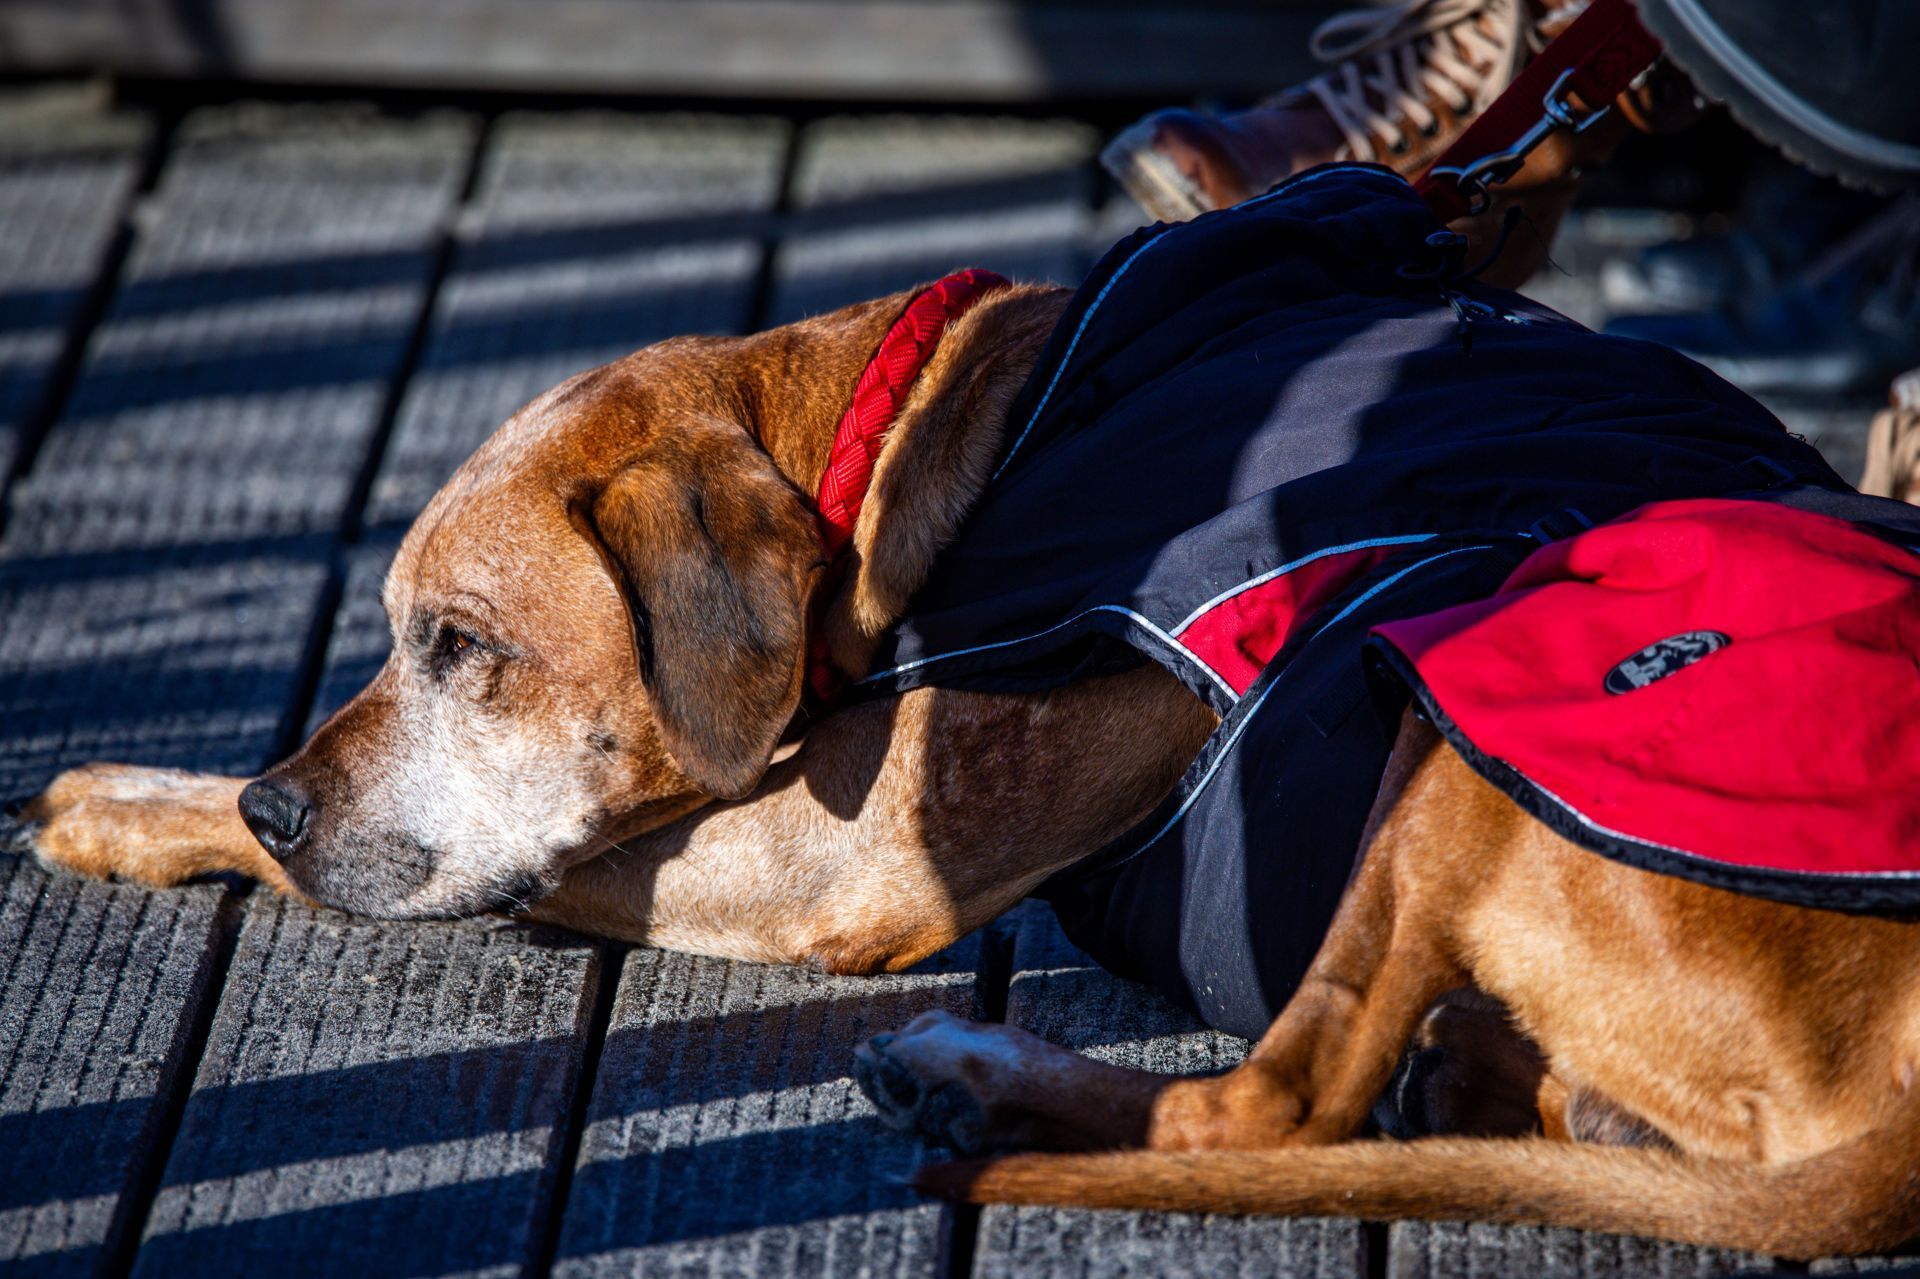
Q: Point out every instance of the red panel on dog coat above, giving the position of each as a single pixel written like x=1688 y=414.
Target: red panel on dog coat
x=1721 y=689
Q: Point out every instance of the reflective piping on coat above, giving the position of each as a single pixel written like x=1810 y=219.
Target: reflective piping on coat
x=1206 y=778
x=1369 y=544
x=1143 y=622
x=1305 y=179
x=1714 y=863
x=1085 y=319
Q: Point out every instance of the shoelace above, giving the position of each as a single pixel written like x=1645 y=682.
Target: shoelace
x=1416 y=50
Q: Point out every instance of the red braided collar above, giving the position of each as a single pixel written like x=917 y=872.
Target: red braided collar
x=863 y=428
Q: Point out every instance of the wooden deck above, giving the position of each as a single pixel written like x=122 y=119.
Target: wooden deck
x=238 y=350
x=924 y=50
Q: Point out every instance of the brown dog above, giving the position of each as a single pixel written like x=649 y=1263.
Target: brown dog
x=600 y=625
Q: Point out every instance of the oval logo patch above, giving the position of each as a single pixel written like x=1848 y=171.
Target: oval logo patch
x=1659 y=660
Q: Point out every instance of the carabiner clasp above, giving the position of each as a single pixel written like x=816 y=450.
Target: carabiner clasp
x=1477 y=179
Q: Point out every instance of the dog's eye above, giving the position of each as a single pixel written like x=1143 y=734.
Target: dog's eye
x=451 y=646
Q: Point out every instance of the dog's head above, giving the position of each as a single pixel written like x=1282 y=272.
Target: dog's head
x=598 y=624
x=602 y=621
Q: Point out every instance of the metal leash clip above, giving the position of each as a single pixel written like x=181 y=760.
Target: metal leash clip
x=1476 y=180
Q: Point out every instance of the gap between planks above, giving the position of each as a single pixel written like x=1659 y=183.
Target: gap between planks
x=135 y=1205
x=64 y=376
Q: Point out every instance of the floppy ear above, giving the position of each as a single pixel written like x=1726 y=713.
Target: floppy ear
x=717 y=555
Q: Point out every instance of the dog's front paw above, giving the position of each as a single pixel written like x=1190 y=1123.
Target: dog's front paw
x=954 y=1082
x=149 y=825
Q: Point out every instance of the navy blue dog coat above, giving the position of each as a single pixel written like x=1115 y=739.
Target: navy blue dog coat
x=1253 y=438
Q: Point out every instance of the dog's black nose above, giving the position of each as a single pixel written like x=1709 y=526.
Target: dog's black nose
x=276 y=813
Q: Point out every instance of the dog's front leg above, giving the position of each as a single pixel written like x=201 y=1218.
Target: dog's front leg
x=1311 y=1079
x=154 y=826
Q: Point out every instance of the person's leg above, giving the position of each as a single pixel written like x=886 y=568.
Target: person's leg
x=1829 y=84
x=1403 y=82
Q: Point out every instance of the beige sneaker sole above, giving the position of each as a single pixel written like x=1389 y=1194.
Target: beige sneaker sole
x=1153 y=181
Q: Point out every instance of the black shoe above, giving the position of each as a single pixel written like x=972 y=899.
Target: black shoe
x=1830 y=82
x=1843 y=328
x=1786 y=218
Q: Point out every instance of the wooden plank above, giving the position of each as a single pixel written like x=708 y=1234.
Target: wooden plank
x=980 y=50
x=188 y=663
x=149 y=613
x=1033 y=1242
x=590 y=235
x=183 y=662
x=67 y=170
x=376 y=1098
x=726 y=1136
x=1884 y=1267
x=1419 y=1250
x=1057 y=992
x=242 y=369
x=886 y=202
x=94 y=985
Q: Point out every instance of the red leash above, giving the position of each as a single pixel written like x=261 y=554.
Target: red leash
x=1594 y=60
x=857 y=441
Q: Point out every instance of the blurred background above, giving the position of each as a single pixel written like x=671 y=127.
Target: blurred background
x=858 y=145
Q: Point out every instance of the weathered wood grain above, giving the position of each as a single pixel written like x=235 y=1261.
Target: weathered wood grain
x=1058 y=993
x=953 y=50
x=726 y=1136
x=1882 y=1267
x=96 y=984
x=882 y=203
x=375 y=1099
x=1450 y=1250
x=240 y=374
x=189 y=663
x=67 y=170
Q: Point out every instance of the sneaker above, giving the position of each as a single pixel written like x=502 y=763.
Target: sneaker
x=1829 y=84
x=1843 y=327
x=1403 y=82
x=1893 y=444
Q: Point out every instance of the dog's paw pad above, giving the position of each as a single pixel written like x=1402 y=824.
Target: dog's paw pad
x=892 y=1088
x=941 y=1111
x=953 y=1117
